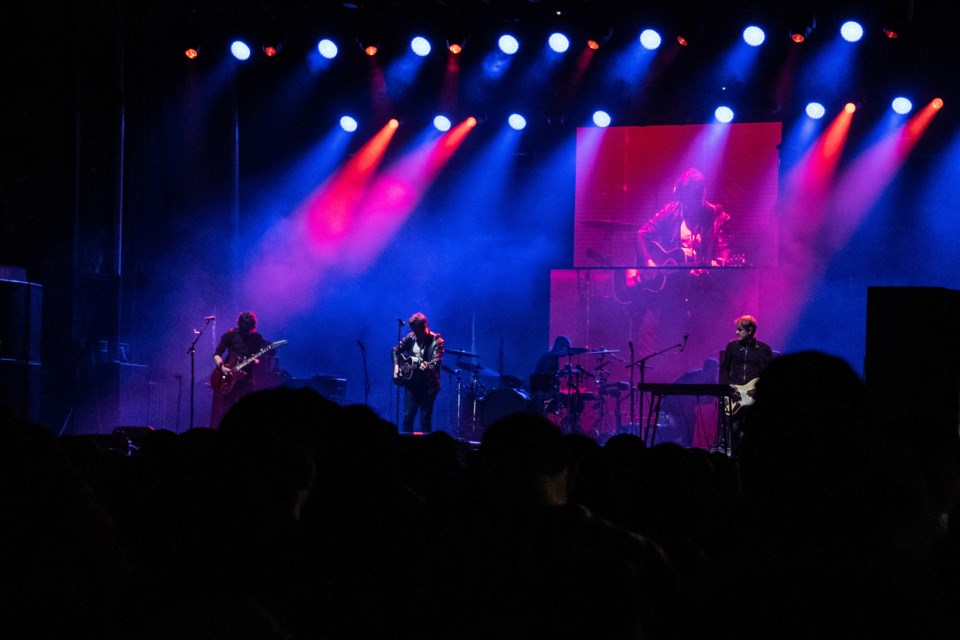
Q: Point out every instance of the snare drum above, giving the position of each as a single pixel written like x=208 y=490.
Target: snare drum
x=503 y=402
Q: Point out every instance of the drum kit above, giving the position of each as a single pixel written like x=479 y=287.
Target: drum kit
x=565 y=395
x=478 y=407
x=571 y=397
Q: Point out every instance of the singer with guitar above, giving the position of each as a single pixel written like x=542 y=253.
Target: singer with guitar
x=237 y=344
x=690 y=230
x=416 y=367
x=743 y=361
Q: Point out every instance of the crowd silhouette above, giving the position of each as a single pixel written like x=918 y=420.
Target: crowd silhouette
x=299 y=518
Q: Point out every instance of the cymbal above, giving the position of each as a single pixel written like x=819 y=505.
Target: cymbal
x=477 y=368
x=463 y=354
x=615 y=387
x=571 y=351
x=600 y=352
x=613 y=225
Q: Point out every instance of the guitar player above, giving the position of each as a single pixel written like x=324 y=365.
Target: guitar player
x=687 y=230
x=238 y=342
x=743 y=360
x=416 y=367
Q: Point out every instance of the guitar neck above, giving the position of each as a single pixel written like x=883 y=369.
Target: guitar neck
x=250 y=359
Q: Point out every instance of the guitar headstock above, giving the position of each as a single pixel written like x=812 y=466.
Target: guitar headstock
x=735 y=260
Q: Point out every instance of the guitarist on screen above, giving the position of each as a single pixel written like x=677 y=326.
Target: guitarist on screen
x=416 y=367
x=744 y=359
x=237 y=343
x=686 y=231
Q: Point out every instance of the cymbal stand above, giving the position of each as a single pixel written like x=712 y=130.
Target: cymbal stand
x=474 y=418
x=459 y=375
x=600 y=379
x=571 y=422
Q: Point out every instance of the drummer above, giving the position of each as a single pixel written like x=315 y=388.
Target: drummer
x=544 y=382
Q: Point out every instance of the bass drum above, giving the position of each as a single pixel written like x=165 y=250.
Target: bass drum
x=503 y=402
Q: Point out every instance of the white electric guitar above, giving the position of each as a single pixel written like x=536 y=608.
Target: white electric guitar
x=743 y=396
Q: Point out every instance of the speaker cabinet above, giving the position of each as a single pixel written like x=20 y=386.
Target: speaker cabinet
x=330 y=387
x=21 y=305
x=912 y=363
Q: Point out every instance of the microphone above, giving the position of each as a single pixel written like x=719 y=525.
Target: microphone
x=684 y=343
x=209 y=318
x=400 y=322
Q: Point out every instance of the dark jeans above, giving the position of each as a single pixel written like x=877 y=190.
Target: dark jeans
x=418 y=398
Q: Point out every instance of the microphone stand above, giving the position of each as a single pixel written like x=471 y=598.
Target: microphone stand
x=643 y=368
x=366 y=374
x=400 y=324
x=192 y=350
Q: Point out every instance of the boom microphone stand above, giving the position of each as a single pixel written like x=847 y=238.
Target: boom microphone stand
x=643 y=369
x=366 y=374
x=396 y=414
x=192 y=350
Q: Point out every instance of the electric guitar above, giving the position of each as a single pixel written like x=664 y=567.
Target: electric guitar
x=222 y=380
x=743 y=397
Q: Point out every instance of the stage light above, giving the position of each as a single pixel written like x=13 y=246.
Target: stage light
x=455 y=48
x=327 y=48
x=650 y=39
x=902 y=105
x=601 y=119
x=393 y=123
x=369 y=43
x=897 y=16
x=682 y=41
x=849 y=107
x=558 y=42
x=420 y=46
x=937 y=103
x=471 y=122
x=348 y=124
x=240 y=50
x=851 y=31
x=723 y=114
x=802 y=23
x=815 y=110
x=517 y=122
x=270 y=51
x=442 y=123
x=508 y=44
x=192 y=53
x=754 y=36
x=599 y=32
